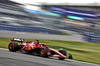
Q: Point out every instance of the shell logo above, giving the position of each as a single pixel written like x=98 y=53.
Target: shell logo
x=29 y=48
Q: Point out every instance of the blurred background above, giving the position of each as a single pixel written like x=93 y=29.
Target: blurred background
x=78 y=20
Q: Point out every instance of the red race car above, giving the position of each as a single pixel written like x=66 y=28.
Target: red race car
x=34 y=47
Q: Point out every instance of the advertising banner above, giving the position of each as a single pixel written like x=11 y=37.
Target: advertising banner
x=73 y=12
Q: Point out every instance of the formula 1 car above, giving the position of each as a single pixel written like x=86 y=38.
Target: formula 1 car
x=34 y=47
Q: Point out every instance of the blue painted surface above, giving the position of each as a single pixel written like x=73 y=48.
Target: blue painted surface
x=27 y=29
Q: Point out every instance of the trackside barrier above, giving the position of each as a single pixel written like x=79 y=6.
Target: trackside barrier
x=27 y=29
x=91 y=37
x=87 y=36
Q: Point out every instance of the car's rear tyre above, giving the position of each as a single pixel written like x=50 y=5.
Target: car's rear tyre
x=70 y=56
x=64 y=53
x=43 y=52
x=13 y=47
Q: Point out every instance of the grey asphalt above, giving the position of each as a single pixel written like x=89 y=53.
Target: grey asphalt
x=8 y=58
x=14 y=34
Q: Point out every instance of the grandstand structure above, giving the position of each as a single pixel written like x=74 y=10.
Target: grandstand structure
x=17 y=18
x=11 y=13
x=13 y=17
x=13 y=10
x=95 y=7
x=87 y=23
x=89 y=28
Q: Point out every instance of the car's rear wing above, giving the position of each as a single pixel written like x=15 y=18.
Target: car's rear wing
x=17 y=40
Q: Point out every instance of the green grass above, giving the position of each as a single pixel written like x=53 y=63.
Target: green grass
x=82 y=51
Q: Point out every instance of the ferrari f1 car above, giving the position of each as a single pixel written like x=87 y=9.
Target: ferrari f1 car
x=34 y=47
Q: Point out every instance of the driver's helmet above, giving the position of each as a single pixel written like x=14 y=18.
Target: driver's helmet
x=36 y=42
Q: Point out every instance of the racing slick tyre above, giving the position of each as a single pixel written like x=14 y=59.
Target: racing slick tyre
x=43 y=52
x=13 y=47
x=70 y=56
x=62 y=52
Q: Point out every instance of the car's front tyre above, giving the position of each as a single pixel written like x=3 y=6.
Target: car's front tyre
x=70 y=56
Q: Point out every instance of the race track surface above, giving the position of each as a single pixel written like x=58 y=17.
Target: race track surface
x=14 y=34
x=8 y=58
